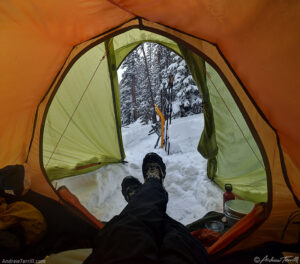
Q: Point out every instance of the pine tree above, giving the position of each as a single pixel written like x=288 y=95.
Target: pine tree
x=186 y=95
x=148 y=66
x=145 y=81
x=128 y=89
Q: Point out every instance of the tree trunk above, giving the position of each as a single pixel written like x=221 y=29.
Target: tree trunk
x=134 y=98
x=149 y=85
x=160 y=69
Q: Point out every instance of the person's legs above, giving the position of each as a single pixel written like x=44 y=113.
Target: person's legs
x=142 y=232
x=134 y=236
x=148 y=202
x=175 y=243
x=151 y=195
x=149 y=206
x=179 y=246
x=130 y=186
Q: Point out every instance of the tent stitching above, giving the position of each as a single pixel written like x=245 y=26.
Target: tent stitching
x=122 y=8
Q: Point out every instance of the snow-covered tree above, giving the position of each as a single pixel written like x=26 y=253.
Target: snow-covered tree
x=128 y=89
x=145 y=83
x=186 y=97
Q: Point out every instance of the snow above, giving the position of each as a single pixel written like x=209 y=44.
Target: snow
x=181 y=68
x=178 y=77
x=173 y=66
x=186 y=103
x=198 y=100
x=191 y=193
x=191 y=88
x=175 y=107
x=120 y=73
x=188 y=80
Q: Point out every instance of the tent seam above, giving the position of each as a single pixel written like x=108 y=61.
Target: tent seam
x=113 y=95
x=122 y=8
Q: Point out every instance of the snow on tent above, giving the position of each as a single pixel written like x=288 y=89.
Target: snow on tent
x=60 y=109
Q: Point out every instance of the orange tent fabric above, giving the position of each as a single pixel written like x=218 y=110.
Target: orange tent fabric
x=254 y=43
x=258 y=38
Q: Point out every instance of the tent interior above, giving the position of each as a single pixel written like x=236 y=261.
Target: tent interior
x=60 y=108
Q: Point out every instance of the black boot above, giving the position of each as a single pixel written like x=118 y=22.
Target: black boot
x=130 y=186
x=154 y=167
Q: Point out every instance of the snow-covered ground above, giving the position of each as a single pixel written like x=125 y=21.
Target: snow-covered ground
x=191 y=193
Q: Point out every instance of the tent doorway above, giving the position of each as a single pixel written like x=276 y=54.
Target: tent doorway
x=88 y=130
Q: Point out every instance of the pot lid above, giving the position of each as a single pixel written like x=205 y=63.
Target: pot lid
x=239 y=207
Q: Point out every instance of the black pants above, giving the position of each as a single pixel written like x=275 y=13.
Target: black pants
x=144 y=233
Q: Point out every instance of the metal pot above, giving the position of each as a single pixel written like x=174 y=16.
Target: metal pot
x=235 y=210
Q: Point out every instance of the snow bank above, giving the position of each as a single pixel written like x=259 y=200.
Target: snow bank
x=191 y=193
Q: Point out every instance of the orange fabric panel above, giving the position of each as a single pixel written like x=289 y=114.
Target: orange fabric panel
x=36 y=38
x=25 y=76
x=267 y=61
x=73 y=200
x=15 y=126
x=39 y=182
x=259 y=39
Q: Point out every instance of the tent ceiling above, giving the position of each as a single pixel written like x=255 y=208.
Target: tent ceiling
x=259 y=39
